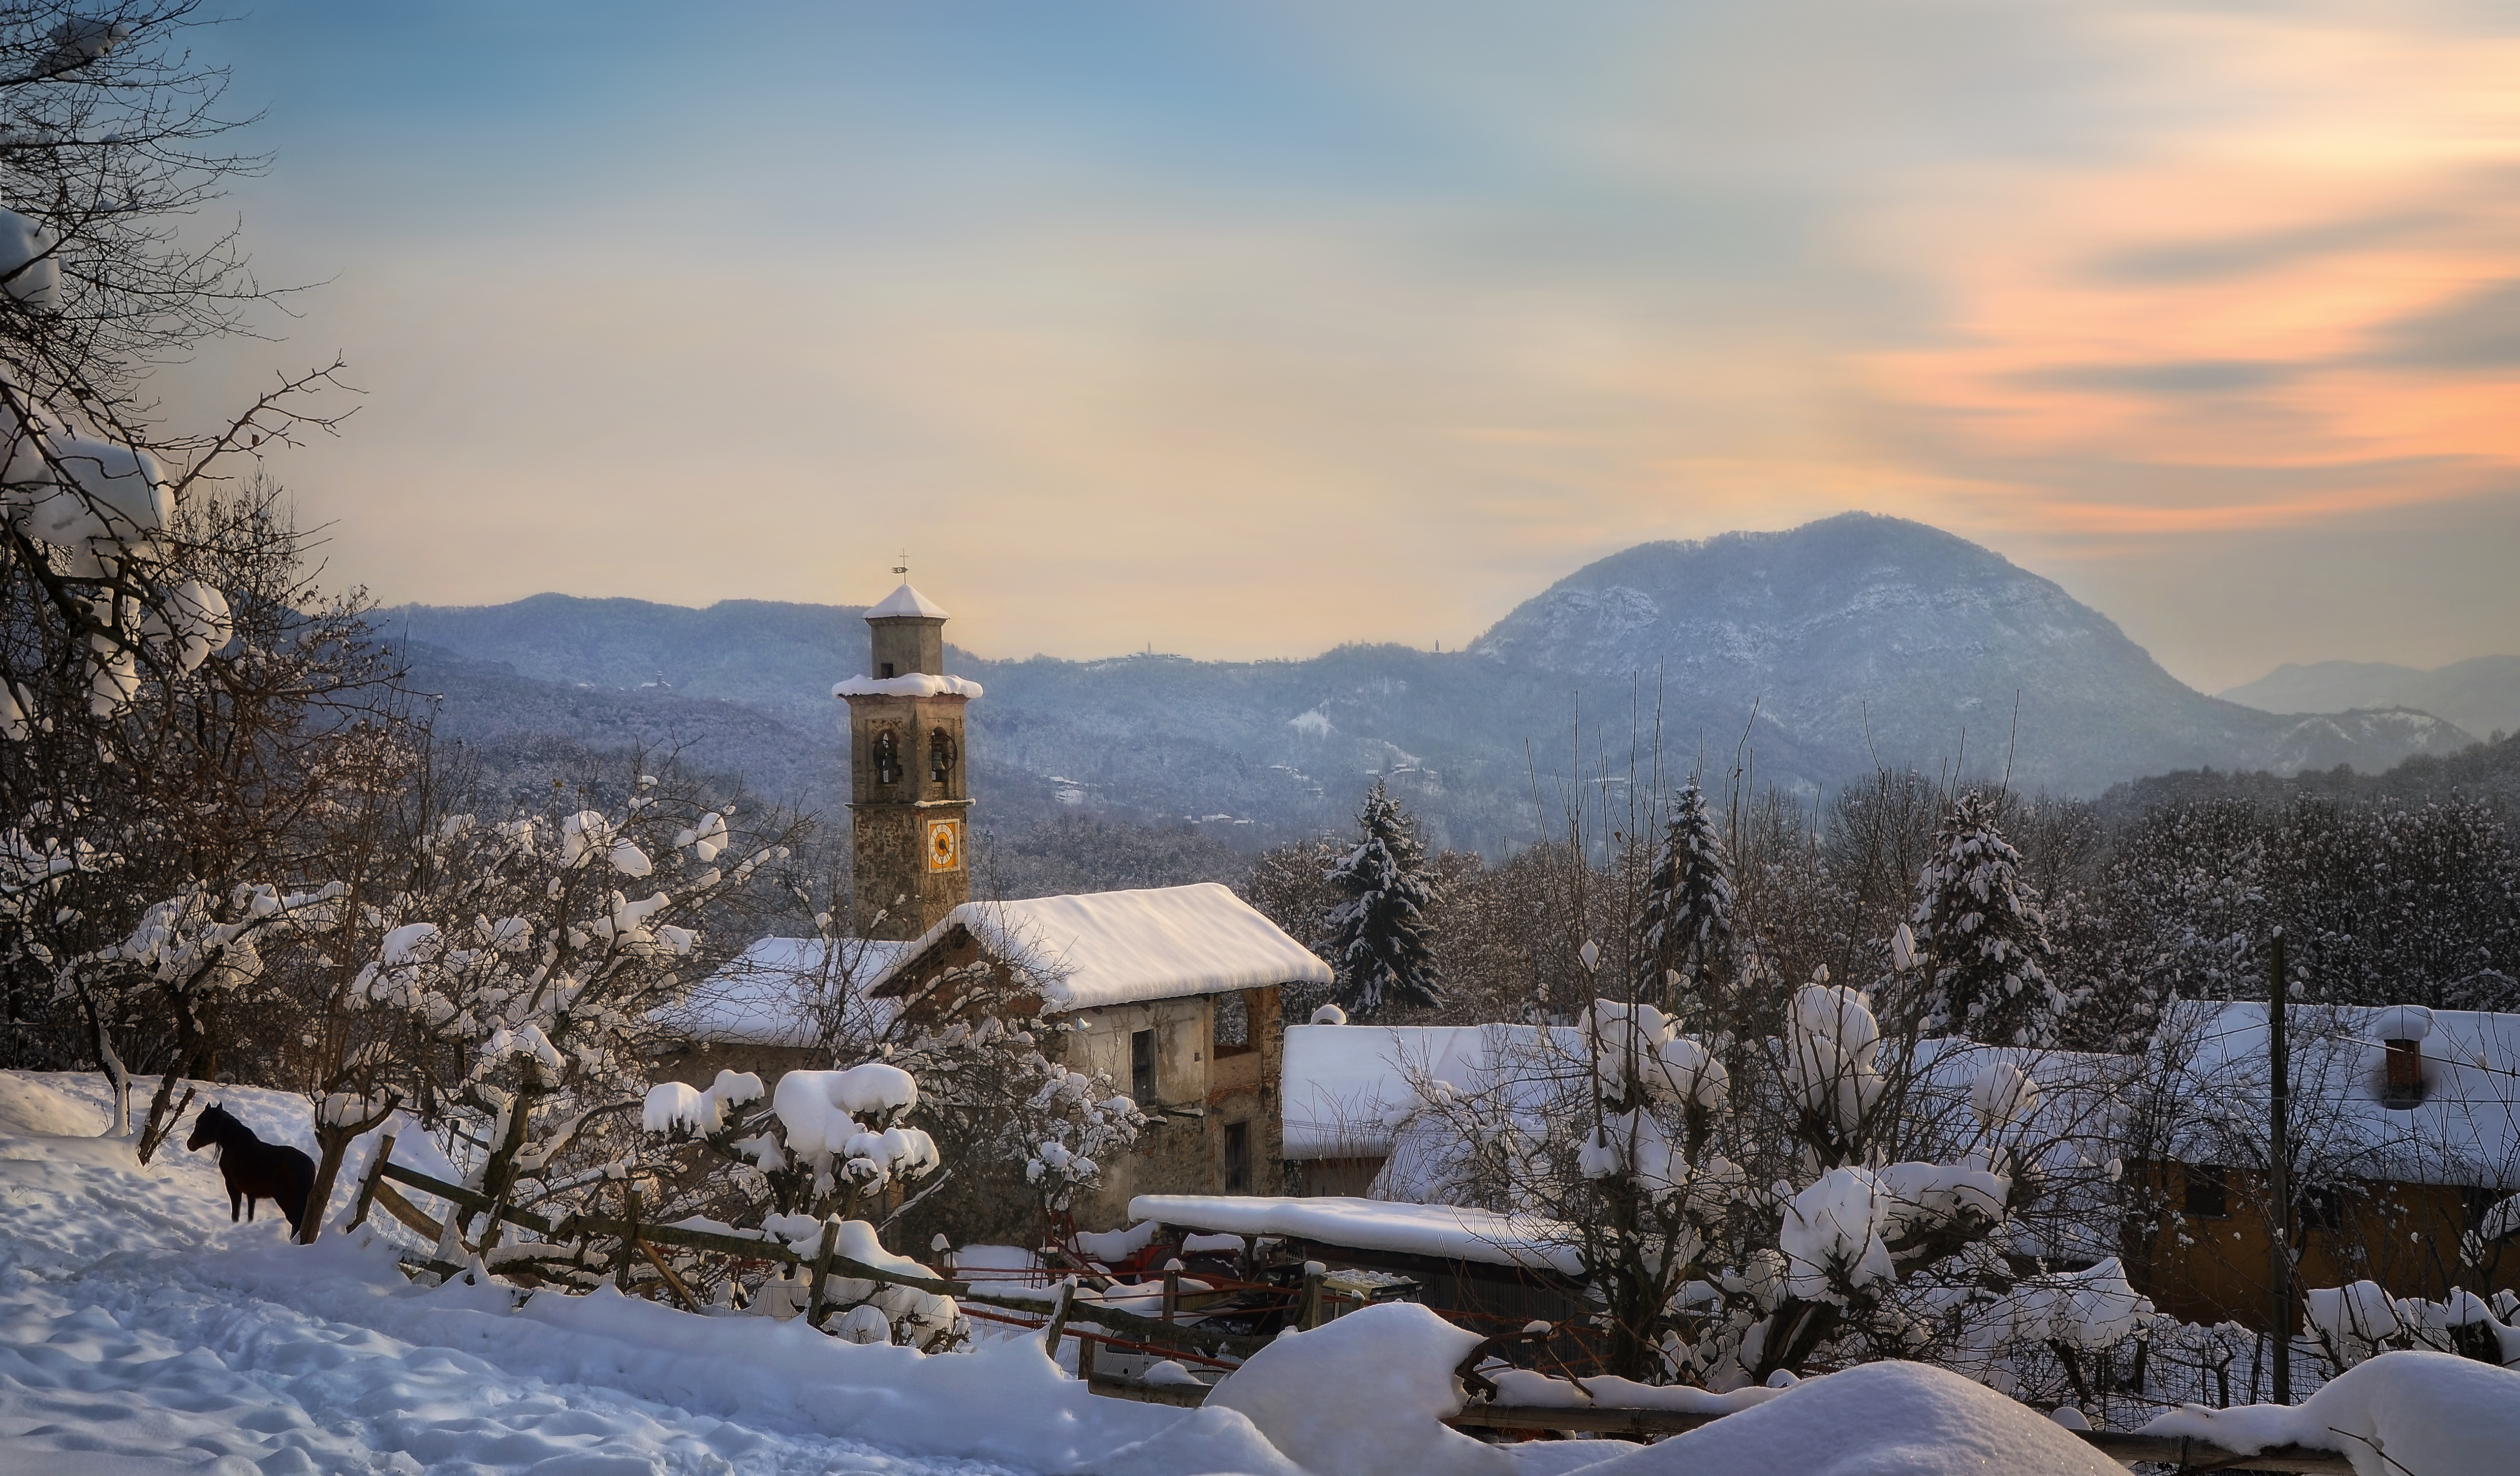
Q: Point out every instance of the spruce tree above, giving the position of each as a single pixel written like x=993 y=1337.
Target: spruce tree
x=1376 y=932
x=1981 y=937
x=1688 y=922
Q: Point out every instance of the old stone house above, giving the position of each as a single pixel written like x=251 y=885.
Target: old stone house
x=1171 y=992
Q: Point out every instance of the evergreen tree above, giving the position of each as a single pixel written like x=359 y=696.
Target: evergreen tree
x=1378 y=933
x=1687 y=922
x=1981 y=937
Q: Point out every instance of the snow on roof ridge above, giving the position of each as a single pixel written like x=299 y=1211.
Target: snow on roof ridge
x=908 y=602
x=1092 y=949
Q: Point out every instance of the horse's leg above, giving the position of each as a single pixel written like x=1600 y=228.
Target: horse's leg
x=235 y=1207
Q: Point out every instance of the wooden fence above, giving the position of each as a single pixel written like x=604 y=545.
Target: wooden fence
x=1206 y=1346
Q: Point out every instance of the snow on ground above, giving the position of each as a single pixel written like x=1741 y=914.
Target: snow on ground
x=2407 y=1410
x=141 y=1332
x=1878 y=1419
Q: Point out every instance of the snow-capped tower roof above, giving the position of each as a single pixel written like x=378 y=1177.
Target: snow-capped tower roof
x=906 y=602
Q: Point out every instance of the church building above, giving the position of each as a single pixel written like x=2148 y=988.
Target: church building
x=1172 y=992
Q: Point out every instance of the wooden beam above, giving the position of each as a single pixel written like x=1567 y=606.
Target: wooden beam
x=1188 y=1396
x=2200 y=1456
x=681 y=1292
x=1590 y=1419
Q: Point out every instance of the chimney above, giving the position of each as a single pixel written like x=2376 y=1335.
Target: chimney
x=2406 y=1067
x=2401 y=1031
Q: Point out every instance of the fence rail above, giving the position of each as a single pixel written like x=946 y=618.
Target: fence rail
x=1156 y=1334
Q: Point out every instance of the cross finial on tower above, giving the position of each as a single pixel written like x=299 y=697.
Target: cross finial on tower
x=902 y=567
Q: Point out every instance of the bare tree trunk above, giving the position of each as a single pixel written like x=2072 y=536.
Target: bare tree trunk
x=163 y=1113
x=101 y=1038
x=332 y=1142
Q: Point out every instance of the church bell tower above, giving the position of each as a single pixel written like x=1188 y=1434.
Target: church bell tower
x=909 y=798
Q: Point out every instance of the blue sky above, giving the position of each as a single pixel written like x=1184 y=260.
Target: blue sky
x=1243 y=330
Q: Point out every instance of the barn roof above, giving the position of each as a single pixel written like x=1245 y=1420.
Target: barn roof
x=2463 y=1130
x=765 y=995
x=1092 y=949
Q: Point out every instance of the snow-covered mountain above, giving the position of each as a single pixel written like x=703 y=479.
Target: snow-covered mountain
x=1924 y=644
x=2480 y=696
x=1832 y=646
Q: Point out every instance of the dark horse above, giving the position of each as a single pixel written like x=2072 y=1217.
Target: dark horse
x=254 y=1169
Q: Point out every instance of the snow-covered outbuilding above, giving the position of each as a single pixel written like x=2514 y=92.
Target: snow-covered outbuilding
x=1503 y=1269
x=1173 y=992
x=1349 y=1094
x=770 y=1008
x=2405 y=1131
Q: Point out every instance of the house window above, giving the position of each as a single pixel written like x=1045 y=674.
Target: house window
x=1238 y=1158
x=2320 y=1209
x=2209 y=1196
x=1230 y=1033
x=1141 y=1067
x=885 y=671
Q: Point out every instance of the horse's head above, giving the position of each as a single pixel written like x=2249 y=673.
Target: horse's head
x=209 y=1127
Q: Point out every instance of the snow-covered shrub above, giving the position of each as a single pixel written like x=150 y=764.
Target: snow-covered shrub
x=515 y=980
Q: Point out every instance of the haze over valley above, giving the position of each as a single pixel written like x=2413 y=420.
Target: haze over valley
x=1810 y=654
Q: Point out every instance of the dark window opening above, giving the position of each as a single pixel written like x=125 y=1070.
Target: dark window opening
x=2209 y=1196
x=1141 y=1067
x=940 y=755
x=1232 y=1032
x=2320 y=1209
x=1238 y=1158
x=885 y=671
x=887 y=757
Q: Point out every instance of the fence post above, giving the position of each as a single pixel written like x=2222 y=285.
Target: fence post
x=1172 y=1293
x=367 y=1184
x=822 y=1272
x=1084 y=1357
x=1057 y=1327
x=2279 y=1162
x=1308 y=1314
x=630 y=1214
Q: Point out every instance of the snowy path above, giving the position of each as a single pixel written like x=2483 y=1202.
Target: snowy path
x=140 y=1332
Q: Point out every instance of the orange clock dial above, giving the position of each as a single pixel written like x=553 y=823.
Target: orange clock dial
x=944 y=845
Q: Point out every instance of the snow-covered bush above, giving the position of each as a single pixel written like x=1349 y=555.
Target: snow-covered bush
x=512 y=981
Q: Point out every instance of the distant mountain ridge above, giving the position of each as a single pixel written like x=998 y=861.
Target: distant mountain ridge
x=1833 y=645
x=2480 y=696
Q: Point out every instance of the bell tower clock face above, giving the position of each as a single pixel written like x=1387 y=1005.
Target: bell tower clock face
x=944 y=845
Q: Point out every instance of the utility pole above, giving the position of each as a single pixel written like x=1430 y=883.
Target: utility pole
x=2279 y=1160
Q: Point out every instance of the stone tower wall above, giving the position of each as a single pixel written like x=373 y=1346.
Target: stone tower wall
x=898 y=747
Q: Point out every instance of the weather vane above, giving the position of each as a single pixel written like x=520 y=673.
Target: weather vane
x=903 y=569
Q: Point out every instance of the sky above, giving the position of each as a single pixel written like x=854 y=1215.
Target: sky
x=1245 y=330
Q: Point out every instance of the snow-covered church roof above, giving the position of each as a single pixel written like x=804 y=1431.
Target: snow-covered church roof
x=906 y=601
x=1092 y=949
